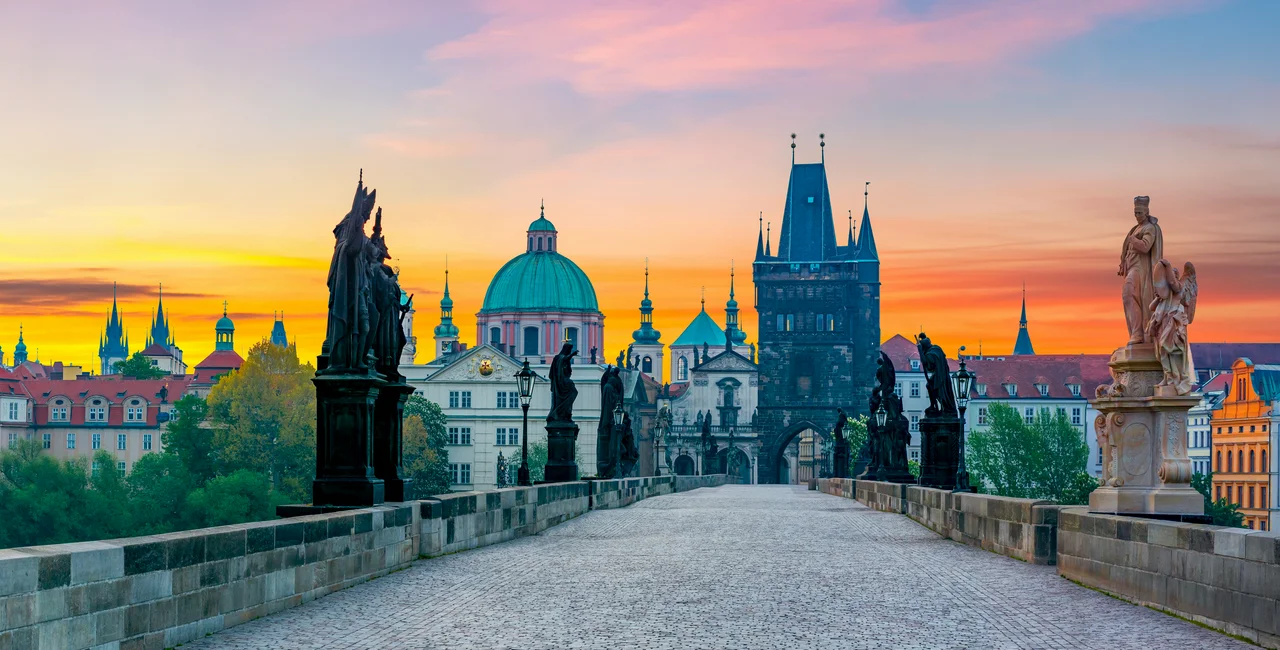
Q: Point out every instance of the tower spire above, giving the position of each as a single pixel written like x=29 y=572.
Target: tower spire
x=1023 y=345
x=760 y=239
x=793 y=148
x=852 y=243
x=646 y=335
x=866 y=239
x=768 y=237
x=822 y=146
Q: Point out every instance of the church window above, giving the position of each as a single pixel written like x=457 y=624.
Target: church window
x=495 y=335
x=646 y=365
x=831 y=322
x=1230 y=465
x=790 y=322
x=1251 y=459
x=822 y=322
x=531 y=243
x=682 y=369
x=780 y=322
x=539 y=243
x=530 y=341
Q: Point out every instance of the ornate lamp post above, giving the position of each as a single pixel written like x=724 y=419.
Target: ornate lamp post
x=616 y=440
x=963 y=382
x=524 y=382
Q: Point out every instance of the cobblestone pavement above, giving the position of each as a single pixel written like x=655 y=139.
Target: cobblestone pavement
x=729 y=567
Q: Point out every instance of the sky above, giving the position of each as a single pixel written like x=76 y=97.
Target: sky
x=212 y=146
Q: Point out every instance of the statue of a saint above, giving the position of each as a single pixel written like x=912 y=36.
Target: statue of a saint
x=348 y=340
x=606 y=437
x=1143 y=247
x=1173 y=308
x=563 y=392
x=937 y=376
x=387 y=333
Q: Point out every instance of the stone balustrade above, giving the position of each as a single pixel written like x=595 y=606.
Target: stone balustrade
x=160 y=591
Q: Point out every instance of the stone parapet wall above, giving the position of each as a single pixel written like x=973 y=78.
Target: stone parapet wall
x=1025 y=529
x=1228 y=578
x=161 y=591
x=158 y=592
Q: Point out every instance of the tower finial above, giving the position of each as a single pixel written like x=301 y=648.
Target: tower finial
x=866 y=190
x=768 y=239
x=793 y=148
x=704 y=297
x=224 y=308
x=542 y=208
x=822 y=145
x=646 y=278
x=731 y=270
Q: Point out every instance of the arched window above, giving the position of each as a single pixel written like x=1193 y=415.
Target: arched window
x=831 y=322
x=1229 y=466
x=571 y=335
x=682 y=369
x=495 y=335
x=539 y=243
x=530 y=242
x=1251 y=462
x=1218 y=467
x=646 y=365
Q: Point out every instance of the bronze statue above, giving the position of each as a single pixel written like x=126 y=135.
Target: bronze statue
x=385 y=313
x=1143 y=248
x=937 y=375
x=840 y=459
x=347 y=340
x=1173 y=308
x=606 y=438
x=563 y=392
x=629 y=453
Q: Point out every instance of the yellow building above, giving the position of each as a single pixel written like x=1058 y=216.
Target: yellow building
x=1242 y=453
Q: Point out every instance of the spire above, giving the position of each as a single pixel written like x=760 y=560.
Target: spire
x=1023 y=344
x=646 y=334
x=446 y=330
x=278 y=336
x=760 y=239
x=224 y=332
x=733 y=335
x=866 y=240
x=20 y=350
x=808 y=231
x=768 y=235
x=822 y=146
x=160 y=333
x=852 y=243
x=793 y=148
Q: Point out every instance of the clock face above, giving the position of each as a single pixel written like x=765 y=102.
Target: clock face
x=486 y=367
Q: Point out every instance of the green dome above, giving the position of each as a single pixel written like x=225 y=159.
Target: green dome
x=224 y=324
x=542 y=225
x=540 y=281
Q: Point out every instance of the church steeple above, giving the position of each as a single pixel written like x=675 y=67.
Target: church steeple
x=733 y=334
x=113 y=343
x=760 y=239
x=646 y=334
x=1023 y=345
x=19 y=350
x=160 y=332
x=866 y=240
x=446 y=333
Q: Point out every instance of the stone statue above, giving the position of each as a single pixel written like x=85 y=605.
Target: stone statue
x=563 y=392
x=1173 y=308
x=1143 y=248
x=840 y=457
x=629 y=452
x=937 y=375
x=387 y=332
x=606 y=437
x=593 y=356
x=347 y=338
x=886 y=375
x=706 y=352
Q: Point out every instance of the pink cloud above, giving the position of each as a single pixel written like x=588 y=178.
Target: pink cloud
x=712 y=44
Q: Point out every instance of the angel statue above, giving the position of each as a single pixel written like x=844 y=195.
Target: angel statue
x=1172 y=310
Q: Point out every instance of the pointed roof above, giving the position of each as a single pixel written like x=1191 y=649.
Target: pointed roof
x=278 y=337
x=160 y=333
x=866 y=239
x=760 y=239
x=768 y=237
x=808 y=230
x=446 y=328
x=1023 y=344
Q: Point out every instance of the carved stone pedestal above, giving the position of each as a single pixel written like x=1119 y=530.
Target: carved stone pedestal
x=562 y=440
x=1142 y=434
x=388 y=440
x=893 y=446
x=840 y=459
x=344 y=442
x=939 y=451
x=862 y=469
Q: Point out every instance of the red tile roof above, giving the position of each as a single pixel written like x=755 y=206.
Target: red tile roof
x=157 y=350
x=1220 y=356
x=221 y=359
x=900 y=351
x=1056 y=372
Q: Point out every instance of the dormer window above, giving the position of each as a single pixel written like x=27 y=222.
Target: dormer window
x=982 y=389
x=1012 y=389
x=1044 y=389
x=915 y=364
x=1075 y=389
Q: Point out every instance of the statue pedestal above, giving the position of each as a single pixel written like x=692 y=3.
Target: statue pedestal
x=1142 y=434
x=939 y=451
x=344 y=442
x=388 y=440
x=840 y=459
x=562 y=440
x=864 y=466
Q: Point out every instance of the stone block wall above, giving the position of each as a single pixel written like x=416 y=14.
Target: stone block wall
x=686 y=483
x=1227 y=578
x=161 y=591
x=463 y=520
x=620 y=493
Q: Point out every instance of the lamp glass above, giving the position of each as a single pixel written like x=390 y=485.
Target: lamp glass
x=881 y=415
x=617 y=414
x=524 y=382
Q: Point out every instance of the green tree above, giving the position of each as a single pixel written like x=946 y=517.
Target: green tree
x=239 y=497
x=41 y=499
x=106 y=504
x=855 y=431
x=139 y=367
x=190 y=439
x=913 y=466
x=1041 y=460
x=426 y=458
x=1223 y=512
x=537 y=461
x=264 y=419
x=158 y=488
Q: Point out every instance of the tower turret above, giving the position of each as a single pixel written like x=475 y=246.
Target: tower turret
x=446 y=333
x=19 y=350
x=647 y=342
x=224 y=332
x=1023 y=345
x=733 y=334
x=278 y=336
x=114 y=342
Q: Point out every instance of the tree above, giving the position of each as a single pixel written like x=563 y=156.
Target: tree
x=855 y=431
x=537 y=461
x=158 y=489
x=139 y=367
x=41 y=499
x=264 y=419
x=239 y=497
x=1223 y=512
x=426 y=459
x=1040 y=460
x=188 y=438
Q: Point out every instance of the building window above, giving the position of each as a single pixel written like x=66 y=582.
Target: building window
x=646 y=365
x=915 y=423
x=97 y=414
x=1219 y=492
x=780 y=323
x=1060 y=412
x=915 y=389
x=1230 y=465
x=71 y=441
x=981 y=388
x=1012 y=389
x=466 y=472
x=831 y=322
x=1219 y=462
x=1044 y=389
x=915 y=455
x=897 y=389
x=508 y=436
x=495 y=335
x=146 y=442
x=1250 y=496
x=1029 y=415
x=133 y=414
x=1229 y=500
x=97 y=441
x=1251 y=466
x=982 y=415
x=1075 y=416
x=530 y=341
x=915 y=364
x=47 y=440
x=821 y=322
x=460 y=473
x=682 y=369
x=13 y=410
x=1075 y=389
x=466 y=399
x=121 y=441
x=13 y=440
x=459 y=435
x=121 y=466
x=58 y=414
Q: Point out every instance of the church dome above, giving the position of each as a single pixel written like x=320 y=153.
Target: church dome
x=540 y=281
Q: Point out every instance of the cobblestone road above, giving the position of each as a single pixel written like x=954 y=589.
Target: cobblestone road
x=730 y=567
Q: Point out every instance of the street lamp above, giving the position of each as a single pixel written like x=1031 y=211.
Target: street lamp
x=615 y=442
x=524 y=381
x=963 y=382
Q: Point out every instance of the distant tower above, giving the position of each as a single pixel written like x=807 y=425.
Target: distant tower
x=225 y=332
x=446 y=333
x=647 y=342
x=160 y=348
x=1023 y=344
x=819 y=320
x=113 y=345
x=733 y=334
x=19 y=350
x=1 y=356
x=410 y=350
x=278 y=337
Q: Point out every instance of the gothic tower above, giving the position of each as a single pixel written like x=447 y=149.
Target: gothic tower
x=19 y=350
x=113 y=344
x=278 y=336
x=1023 y=345
x=819 y=318
x=646 y=341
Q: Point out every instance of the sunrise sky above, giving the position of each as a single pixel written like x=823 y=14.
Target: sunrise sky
x=212 y=146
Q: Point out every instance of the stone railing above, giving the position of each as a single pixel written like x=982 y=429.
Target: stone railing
x=161 y=591
x=1025 y=529
x=1228 y=578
